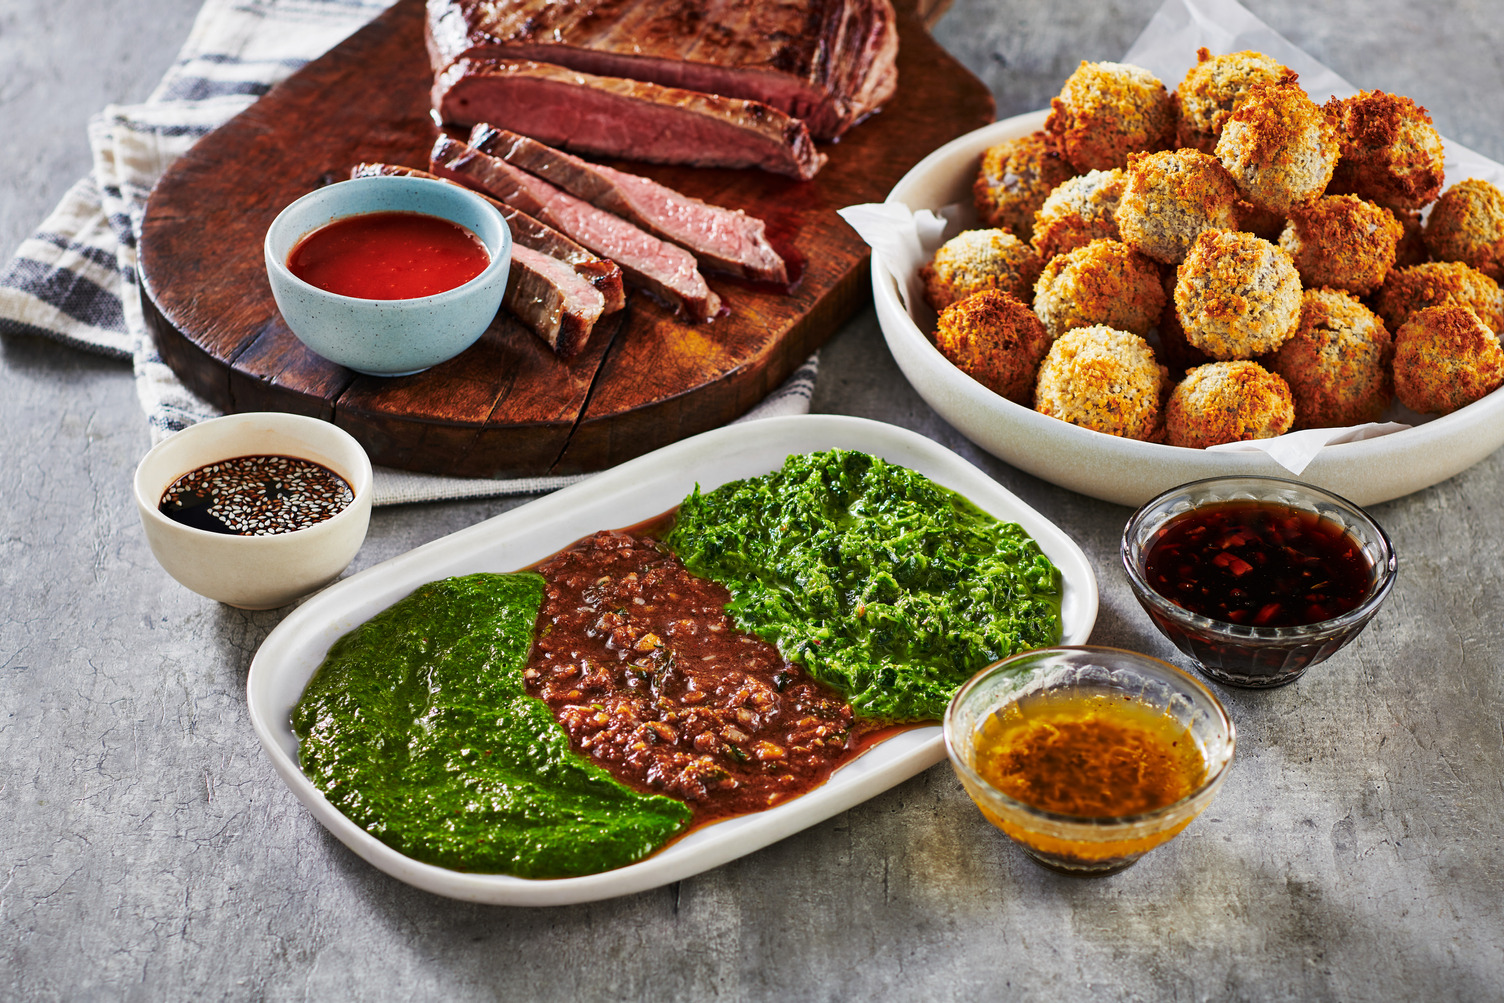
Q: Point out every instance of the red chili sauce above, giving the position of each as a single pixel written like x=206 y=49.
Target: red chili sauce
x=389 y=256
x=643 y=668
x=1258 y=564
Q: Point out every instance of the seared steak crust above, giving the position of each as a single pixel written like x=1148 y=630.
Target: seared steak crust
x=830 y=62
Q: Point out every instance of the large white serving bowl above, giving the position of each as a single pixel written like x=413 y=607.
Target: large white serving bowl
x=625 y=496
x=1125 y=470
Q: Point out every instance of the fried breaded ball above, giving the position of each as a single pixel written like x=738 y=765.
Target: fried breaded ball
x=1445 y=358
x=1236 y=295
x=1106 y=111
x=1016 y=176
x=1170 y=198
x=1343 y=242
x=1391 y=153
x=1467 y=224
x=974 y=260
x=1079 y=211
x=1104 y=283
x=1337 y=362
x=1102 y=379
x=1212 y=89
x=994 y=338
x=1280 y=147
x=1407 y=290
x=1228 y=402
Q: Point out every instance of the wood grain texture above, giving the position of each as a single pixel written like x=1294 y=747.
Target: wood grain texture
x=508 y=406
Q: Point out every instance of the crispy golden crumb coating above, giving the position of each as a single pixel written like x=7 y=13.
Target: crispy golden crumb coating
x=1343 y=242
x=1106 y=111
x=1236 y=295
x=994 y=338
x=1016 y=176
x=1104 y=283
x=1280 y=147
x=1391 y=153
x=1445 y=358
x=1079 y=211
x=974 y=260
x=1102 y=379
x=1467 y=224
x=1407 y=290
x=1212 y=89
x=1337 y=363
x=1228 y=402
x=1170 y=198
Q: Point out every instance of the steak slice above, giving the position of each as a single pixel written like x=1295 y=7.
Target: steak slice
x=663 y=269
x=615 y=117
x=540 y=237
x=724 y=239
x=547 y=295
x=829 y=62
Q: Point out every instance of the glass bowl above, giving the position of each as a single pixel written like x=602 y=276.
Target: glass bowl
x=1255 y=656
x=1103 y=678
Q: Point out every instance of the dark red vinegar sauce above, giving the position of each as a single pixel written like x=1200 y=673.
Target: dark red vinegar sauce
x=1258 y=564
x=389 y=256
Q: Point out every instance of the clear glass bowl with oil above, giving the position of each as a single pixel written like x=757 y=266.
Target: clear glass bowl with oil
x=1088 y=757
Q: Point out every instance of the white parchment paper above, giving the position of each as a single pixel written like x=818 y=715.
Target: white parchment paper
x=902 y=240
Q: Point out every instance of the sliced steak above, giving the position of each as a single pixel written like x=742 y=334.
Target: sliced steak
x=725 y=239
x=528 y=232
x=616 y=117
x=663 y=269
x=829 y=62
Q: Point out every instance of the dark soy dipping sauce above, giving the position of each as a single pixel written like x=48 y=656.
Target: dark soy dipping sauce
x=1258 y=564
x=256 y=496
x=389 y=256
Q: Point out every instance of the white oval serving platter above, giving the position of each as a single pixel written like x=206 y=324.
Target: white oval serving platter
x=620 y=497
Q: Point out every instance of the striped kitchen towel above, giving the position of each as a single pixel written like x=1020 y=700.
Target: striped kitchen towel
x=74 y=280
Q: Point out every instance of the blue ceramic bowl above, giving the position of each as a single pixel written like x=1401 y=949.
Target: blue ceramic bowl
x=388 y=337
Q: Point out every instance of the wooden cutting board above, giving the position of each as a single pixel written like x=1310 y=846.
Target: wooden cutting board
x=508 y=406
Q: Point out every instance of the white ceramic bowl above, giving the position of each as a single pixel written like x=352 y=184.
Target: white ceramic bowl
x=255 y=572
x=388 y=337
x=1125 y=470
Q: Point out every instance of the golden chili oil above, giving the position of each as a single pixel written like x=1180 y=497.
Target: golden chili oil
x=1090 y=755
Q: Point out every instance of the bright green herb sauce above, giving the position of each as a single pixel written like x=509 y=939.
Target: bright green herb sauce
x=418 y=728
x=880 y=582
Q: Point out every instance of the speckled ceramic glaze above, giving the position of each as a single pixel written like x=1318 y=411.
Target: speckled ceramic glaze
x=388 y=337
x=255 y=572
x=1125 y=470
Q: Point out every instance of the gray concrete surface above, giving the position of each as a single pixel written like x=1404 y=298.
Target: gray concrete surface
x=147 y=850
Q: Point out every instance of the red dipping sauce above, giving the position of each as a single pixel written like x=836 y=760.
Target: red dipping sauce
x=389 y=256
x=1258 y=564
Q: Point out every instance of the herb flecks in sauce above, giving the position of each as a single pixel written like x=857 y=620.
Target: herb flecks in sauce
x=880 y=582
x=418 y=728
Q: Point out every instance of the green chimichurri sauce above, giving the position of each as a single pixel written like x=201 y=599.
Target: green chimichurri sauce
x=880 y=582
x=418 y=728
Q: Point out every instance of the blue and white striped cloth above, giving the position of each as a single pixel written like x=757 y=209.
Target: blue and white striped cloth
x=74 y=280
